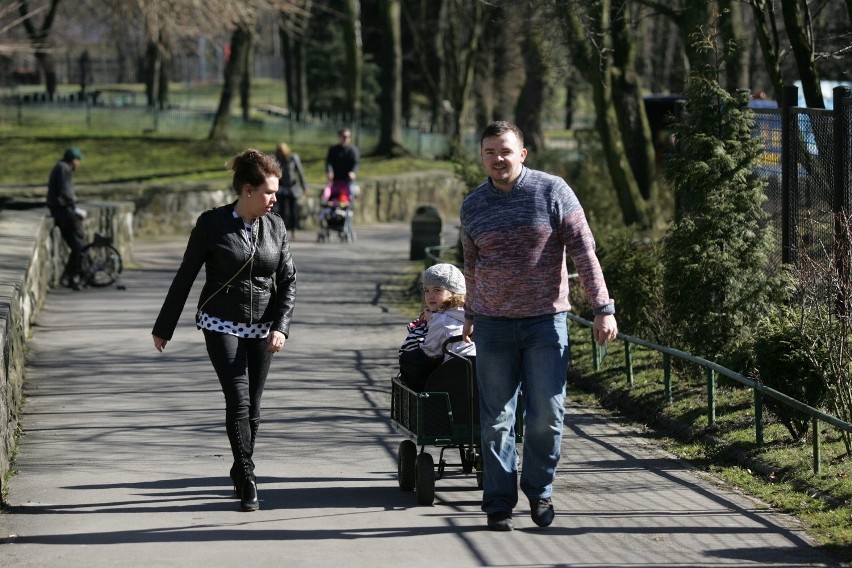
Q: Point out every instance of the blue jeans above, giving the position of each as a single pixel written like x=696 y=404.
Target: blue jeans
x=528 y=355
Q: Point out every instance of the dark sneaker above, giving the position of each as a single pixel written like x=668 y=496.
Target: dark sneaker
x=67 y=282
x=541 y=511
x=500 y=521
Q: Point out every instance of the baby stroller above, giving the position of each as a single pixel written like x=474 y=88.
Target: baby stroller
x=446 y=415
x=336 y=212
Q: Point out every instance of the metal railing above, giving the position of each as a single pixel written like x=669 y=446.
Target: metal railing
x=712 y=369
x=433 y=254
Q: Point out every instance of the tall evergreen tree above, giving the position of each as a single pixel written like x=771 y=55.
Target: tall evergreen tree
x=717 y=281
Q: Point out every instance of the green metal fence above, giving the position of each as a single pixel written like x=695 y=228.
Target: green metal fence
x=712 y=370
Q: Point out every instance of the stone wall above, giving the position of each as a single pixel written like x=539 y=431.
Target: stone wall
x=173 y=208
x=31 y=262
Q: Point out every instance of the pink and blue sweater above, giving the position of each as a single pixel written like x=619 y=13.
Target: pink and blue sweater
x=515 y=244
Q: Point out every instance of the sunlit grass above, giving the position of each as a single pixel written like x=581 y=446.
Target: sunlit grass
x=135 y=143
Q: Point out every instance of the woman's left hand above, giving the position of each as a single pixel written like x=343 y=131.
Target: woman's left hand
x=276 y=341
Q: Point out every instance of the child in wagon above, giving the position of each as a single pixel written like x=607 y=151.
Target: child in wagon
x=443 y=317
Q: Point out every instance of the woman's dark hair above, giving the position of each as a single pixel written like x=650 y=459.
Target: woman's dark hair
x=500 y=127
x=253 y=167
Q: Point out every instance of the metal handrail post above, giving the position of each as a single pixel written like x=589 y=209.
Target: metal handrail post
x=758 y=417
x=711 y=397
x=628 y=362
x=815 y=439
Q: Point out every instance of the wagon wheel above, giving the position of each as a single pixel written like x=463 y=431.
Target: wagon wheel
x=468 y=458
x=425 y=489
x=406 y=468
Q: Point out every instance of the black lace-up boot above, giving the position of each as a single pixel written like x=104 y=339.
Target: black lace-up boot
x=242 y=472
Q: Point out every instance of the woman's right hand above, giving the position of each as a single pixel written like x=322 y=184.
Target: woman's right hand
x=159 y=343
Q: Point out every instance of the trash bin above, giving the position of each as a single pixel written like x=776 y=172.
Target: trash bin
x=425 y=231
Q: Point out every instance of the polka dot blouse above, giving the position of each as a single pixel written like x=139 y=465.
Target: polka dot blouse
x=247 y=330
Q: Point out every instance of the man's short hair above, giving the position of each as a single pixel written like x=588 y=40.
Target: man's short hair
x=500 y=127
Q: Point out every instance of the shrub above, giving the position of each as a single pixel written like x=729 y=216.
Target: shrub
x=784 y=360
x=634 y=275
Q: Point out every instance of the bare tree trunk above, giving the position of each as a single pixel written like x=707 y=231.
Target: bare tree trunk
x=767 y=35
x=302 y=72
x=799 y=35
x=152 y=72
x=691 y=17
x=163 y=91
x=419 y=17
x=39 y=38
x=245 y=78
x=390 y=139
x=492 y=100
x=531 y=100
x=593 y=62
x=570 y=99
x=164 y=45
x=232 y=74
x=288 y=54
x=629 y=107
x=354 y=58
x=461 y=25
x=736 y=54
x=484 y=89
x=293 y=30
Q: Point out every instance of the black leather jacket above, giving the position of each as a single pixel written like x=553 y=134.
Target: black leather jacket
x=263 y=289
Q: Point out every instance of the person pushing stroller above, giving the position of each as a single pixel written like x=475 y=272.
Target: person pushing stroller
x=336 y=211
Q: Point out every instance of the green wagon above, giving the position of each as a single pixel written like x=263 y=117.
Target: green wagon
x=445 y=415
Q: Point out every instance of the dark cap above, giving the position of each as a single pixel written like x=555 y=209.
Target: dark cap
x=72 y=154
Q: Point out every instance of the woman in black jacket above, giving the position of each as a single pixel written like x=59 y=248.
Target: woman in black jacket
x=246 y=304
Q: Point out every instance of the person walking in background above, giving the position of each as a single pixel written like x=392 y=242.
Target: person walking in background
x=246 y=305
x=516 y=229
x=62 y=203
x=343 y=159
x=291 y=187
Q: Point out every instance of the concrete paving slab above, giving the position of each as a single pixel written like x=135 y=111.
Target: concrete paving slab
x=124 y=458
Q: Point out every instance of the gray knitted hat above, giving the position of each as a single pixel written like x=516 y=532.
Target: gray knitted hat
x=446 y=276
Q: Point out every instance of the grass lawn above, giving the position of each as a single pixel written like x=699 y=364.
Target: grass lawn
x=118 y=144
x=27 y=161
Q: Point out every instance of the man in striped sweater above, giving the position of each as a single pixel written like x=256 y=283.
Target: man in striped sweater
x=516 y=230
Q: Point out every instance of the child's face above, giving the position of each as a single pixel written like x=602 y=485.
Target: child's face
x=435 y=296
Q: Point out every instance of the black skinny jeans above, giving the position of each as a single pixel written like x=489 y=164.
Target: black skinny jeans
x=71 y=228
x=241 y=365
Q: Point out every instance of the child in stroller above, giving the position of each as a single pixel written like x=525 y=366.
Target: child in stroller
x=443 y=316
x=336 y=211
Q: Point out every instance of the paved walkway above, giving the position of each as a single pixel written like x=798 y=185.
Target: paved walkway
x=124 y=457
